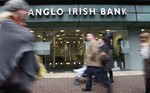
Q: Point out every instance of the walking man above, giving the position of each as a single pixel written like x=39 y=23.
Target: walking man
x=94 y=66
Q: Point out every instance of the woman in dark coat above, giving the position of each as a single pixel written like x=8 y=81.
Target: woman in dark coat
x=145 y=53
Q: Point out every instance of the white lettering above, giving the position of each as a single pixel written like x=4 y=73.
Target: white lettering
x=75 y=11
x=103 y=12
x=92 y=11
x=38 y=12
x=60 y=11
x=31 y=13
x=109 y=12
x=85 y=11
x=52 y=12
x=117 y=11
x=80 y=11
x=124 y=11
x=69 y=11
x=46 y=11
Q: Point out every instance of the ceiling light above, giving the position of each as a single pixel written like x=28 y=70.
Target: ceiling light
x=60 y=38
x=44 y=38
x=57 y=35
x=31 y=31
x=107 y=30
x=77 y=30
x=61 y=30
x=76 y=34
x=100 y=35
x=39 y=35
x=80 y=38
x=142 y=30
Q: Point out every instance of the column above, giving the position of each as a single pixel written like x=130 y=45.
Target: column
x=133 y=61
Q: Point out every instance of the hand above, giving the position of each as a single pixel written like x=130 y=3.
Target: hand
x=103 y=54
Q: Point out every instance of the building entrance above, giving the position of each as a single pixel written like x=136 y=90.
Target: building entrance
x=67 y=46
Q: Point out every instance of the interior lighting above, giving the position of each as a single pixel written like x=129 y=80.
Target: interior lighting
x=57 y=35
x=142 y=30
x=31 y=31
x=62 y=31
x=77 y=30
x=107 y=30
x=100 y=35
x=44 y=38
x=68 y=63
x=39 y=35
x=60 y=38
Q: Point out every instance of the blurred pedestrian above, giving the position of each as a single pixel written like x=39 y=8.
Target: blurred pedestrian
x=42 y=68
x=18 y=67
x=79 y=73
x=103 y=47
x=94 y=66
x=145 y=53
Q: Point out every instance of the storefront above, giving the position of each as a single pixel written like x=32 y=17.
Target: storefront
x=62 y=28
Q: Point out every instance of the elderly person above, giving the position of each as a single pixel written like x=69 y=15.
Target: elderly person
x=145 y=53
x=18 y=67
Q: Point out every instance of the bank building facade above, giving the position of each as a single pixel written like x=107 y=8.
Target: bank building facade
x=60 y=28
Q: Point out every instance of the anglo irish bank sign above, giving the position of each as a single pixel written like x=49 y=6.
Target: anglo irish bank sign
x=77 y=11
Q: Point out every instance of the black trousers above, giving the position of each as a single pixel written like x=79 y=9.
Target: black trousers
x=111 y=75
x=12 y=89
x=100 y=75
x=147 y=82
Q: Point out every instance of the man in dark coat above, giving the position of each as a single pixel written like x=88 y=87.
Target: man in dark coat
x=104 y=48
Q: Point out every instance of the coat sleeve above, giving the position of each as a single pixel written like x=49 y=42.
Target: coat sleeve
x=93 y=47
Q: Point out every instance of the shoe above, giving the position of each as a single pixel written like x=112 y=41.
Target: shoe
x=85 y=89
x=109 y=90
x=77 y=82
x=112 y=81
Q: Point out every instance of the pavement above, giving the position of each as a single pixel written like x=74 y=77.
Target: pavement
x=124 y=82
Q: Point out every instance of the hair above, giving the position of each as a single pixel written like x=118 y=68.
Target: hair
x=104 y=40
x=145 y=36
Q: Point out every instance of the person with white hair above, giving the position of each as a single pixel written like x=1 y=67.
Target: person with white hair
x=145 y=53
x=18 y=67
